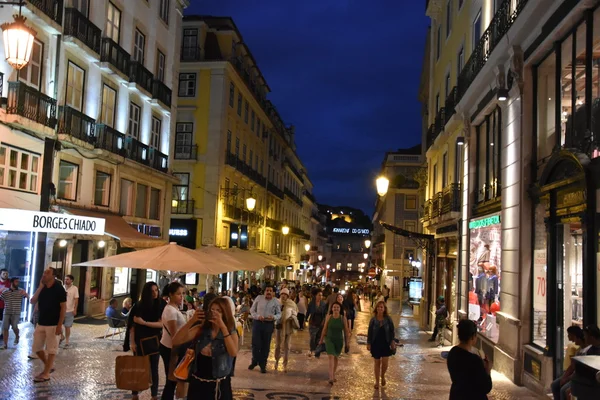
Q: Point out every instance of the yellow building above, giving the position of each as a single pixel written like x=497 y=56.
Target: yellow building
x=232 y=145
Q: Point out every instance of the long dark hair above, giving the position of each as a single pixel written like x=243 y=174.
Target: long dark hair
x=147 y=303
x=225 y=307
x=339 y=304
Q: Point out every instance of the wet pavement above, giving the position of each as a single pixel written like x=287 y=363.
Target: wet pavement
x=86 y=370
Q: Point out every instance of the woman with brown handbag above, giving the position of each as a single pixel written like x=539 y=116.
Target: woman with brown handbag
x=145 y=332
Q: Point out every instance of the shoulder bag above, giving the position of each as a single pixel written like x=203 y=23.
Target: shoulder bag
x=149 y=346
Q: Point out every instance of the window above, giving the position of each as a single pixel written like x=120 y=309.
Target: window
x=163 y=10
x=447 y=88
x=154 y=204
x=438 y=43
x=155 y=133
x=257 y=127
x=460 y=3
x=141 y=201
x=448 y=17
x=113 y=23
x=460 y=60
x=181 y=190
x=67 y=180
x=19 y=169
x=231 y=94
x=184 y=132
x=476 y=30
x=190 y=45
x=410 y=226
x=109 y=102
x=228 y=142
x=139 y=46
x=250 y=158
x=32 y=72
x=437 y=103
x=239 y=105
x=244 y=153
x=126 y=202
x=187 y=85
x=237 y=147
x=434 y=183
x=410 y=202
x=134 y=121
x=252 y=117
x=120 y=281
x=75 y=82
x=488 y=156
x=444 y=170
x=261 y=166
x=246 y=108
x=160 y=66
x=82 y=6
x=102 y=189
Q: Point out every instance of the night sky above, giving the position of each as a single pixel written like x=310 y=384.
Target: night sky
x=346 y=74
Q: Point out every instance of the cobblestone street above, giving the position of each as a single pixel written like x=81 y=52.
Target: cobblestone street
x=86 y=371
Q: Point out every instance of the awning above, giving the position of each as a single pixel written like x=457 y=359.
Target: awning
x=118 y=228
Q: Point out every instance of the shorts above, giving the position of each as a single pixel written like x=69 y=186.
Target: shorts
x=45 y=337
x=11 y=320
x=68 y=322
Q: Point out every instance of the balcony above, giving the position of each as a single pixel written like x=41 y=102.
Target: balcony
x=191 y=54
x=442 y=203
x=81 y=28
x=136 y=150
x=161 y=92
x=309 y=196
x=504 y=18
x=115 y=55
x=292 y=196
x=139 y=75
x=30 y=103
x=186 y=152
x=246 y=169
x=109 y=139
x=450 y=105
x=275 y=190
x=159 y=161
x=274 y=224
x=52 y=8
x=182 y=206
x=294 y=170
x=76 y=124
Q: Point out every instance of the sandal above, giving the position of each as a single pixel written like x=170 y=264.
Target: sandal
x=383 y=382
x=39 y=379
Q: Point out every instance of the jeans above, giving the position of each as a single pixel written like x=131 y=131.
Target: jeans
x=169 y=390
x=314 y=336
x=301 y=321
x=261 y=342
x=560 y=392
x=154 y=359
x=282 y=345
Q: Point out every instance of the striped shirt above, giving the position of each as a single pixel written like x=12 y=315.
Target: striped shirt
x=13 y=300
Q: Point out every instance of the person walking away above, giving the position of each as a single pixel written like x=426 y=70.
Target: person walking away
x=172 y=320
x=333 y=336
x=302 y=308
x=13 y=303
x=145 y=328
x=386 y=293
x=380 y=341
x=51 y=299
x=470 y=374
x=332 y=298
x=349 y=305
x=216 y=346
x=265 y=312
x=285 y=328
x=4 y=284
x=72 y=302
x=562 y=385
x=316 y=314
x=441 y=314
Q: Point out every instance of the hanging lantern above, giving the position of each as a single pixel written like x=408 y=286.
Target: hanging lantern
x=18 y=42
x=250 y=203
x=285 y=230
x=383 y=184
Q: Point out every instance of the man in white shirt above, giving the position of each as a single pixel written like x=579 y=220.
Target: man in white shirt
x=72 y=301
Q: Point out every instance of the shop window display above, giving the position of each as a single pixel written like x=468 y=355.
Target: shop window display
x=540 y=274
x=16 y=253
x=121 y=281
x=484 y=272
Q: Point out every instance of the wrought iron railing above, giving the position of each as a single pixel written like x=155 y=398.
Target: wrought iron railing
x=292 y=196
x=275 y=190
x=186 y=151
x=191 y=54
x=161 y=92
x=182 y=207
x=140 y=75
x=274 y=224
x=30 y=103
x=52 y=8
x=75 y=123
x=1 y=83
x=137 y=151
x=310 y=196
x=78 y=26
x=451 y=198
x=293 y=169
x=450 y=105
x=158 y=160
x=110 y=139
x=431 y=135
x=246 y=169
x=114 y=54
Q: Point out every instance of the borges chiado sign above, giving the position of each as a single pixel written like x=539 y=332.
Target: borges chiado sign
x=37 y=221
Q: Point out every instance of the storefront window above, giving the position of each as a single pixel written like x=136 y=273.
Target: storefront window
x=151 y=275
x=488 y=156
x=540 y=274
x=121 y=281
x=573 y=275
x=485 y=269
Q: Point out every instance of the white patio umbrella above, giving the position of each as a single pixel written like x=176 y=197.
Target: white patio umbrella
x=171 y=257
x=247 y=260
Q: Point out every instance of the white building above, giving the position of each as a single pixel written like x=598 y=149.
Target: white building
x=97 y=89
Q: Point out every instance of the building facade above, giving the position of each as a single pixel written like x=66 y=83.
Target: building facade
x=231 y=145
x=86 y=131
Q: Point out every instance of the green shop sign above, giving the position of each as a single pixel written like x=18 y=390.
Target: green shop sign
x=482 y=223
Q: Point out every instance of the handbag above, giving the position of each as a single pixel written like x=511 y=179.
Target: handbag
x=149 y=346
x=182 y=370
x=132 y=373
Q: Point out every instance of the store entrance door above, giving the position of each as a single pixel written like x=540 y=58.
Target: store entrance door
x=80 y=254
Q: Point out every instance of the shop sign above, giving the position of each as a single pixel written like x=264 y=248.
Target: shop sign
x=37 y=221
x=354 y=231
x=539 y=280
x=484 y=222
x=178 y=232
x=570 y=198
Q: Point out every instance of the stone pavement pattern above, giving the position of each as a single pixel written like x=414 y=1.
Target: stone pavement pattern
x=86 y=371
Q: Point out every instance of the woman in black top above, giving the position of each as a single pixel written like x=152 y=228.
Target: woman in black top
x=145 y=331
x=469 y=373
x=350 y=307
x=380 y=341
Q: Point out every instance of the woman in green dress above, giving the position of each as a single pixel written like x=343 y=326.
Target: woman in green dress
x=333 y=336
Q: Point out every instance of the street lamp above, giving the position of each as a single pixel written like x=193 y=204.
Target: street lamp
x=320 y=257
x=307 y=247
x=383 y=184
x=365 y=256
x=250 y=203
x=285 y=230
x=367 y=243
x=18 y=39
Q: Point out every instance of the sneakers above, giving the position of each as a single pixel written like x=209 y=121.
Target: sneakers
x=3 y=347
x=67 y=346
x=263 y=370
x=252 y=366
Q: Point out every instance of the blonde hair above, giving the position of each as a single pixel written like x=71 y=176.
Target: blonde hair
x=127 y=301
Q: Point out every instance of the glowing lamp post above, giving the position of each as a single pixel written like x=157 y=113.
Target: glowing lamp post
x=18 y=41
x=251 y=203
x=367 y=244
x=307 y=247
x=365 y=256
x=383 y=184
x=285 y=230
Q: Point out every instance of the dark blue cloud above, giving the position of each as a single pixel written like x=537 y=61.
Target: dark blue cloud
x=346 y=73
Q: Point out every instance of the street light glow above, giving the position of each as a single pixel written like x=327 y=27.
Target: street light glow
x=250 y=203
x=365 y=256
x=383 y=184
x=367 y=243
x=320 y=257
x=307 y=247
x=18 y=42
x=285 y=230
